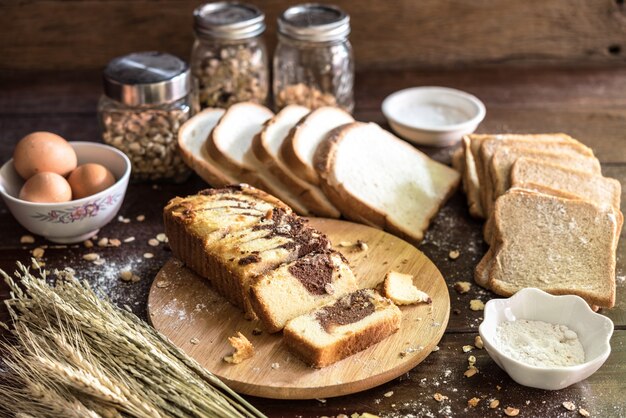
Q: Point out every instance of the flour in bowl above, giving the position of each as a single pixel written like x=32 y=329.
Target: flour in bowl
x=539 y=343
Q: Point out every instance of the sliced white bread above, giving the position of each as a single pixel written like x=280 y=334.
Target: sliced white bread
x=373 y=176
x=560 y=143
x=563 y=246
x=399 y=288
x=230 y=144
x=266 y=147
x=505 y=156
x=299 y=148
x=536 y=174
x=299 y=287
x=337 y=330
x=191 y=139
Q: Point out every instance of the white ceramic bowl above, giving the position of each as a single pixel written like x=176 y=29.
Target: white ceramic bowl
x=433 y=116
x=79 y=219
x=594 y=332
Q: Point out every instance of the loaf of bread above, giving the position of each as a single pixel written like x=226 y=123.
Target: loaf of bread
x=338 y=330
x=299 y=287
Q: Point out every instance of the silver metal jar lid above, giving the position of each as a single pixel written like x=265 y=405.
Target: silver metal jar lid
x=146 y=78
x=228 y=20
x=314 y=23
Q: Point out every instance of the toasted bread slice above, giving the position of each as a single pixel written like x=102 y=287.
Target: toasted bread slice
x=191 y=139
x=230 y=144
x=266 y=147
x=299 y=148
x=563 y=246
x=371 y=175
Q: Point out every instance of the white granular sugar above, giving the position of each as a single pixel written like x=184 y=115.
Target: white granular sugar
x=539 y=343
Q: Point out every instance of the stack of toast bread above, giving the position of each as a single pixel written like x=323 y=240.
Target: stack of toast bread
x=552 y=219
x=320 y=162
x=268 y=261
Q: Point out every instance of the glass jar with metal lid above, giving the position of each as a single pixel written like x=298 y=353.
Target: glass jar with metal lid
x=313 y=64
x=229 y=56
x=147 y=97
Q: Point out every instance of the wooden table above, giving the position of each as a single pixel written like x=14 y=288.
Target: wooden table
x=589 y=104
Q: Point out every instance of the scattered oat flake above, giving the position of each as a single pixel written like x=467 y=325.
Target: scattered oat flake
x=114 y=242
x=88 y=243
x=126 y=275
x=494 y=403
x=477 y=305
x=161 y=237
x=27 y=239
x=584 y=412
x=162 y=284
x=129 y=239
x=454 y=254
x=38 y=252
x=511 y=412
x=91 y=257
x=194 y=341
x=473 y=402
x=467 y=348
x=569 y=406
x=388 y=394
x=478 y=342
x=462 y=287
x=99 y=261
x=148 y=255
x=439 y=397
x=153 y=242
x=103 y=242
x=141 y=218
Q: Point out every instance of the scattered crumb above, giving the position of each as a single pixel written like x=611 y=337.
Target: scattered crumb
x=161 y=284
x=27 y=239
x=148 y=255
x=141 y=218
x=471 y=360
x=345 y=244
x=362 y=245
x=275 y=366
x=473 y=402
x=511 y=412
x=161 y=237
x=477 y=305
x=257 y=331
x=153 y=242
x=439 y=397
x=103 y=242
x=88 y=243
x=114 y=242
x=388 y=394
x=322 y=400
x=569 y=406
x=243 y=349
x=194 y=341
x=38 y=252
x=494 y=403
x=91 y=257
x=99 y=262
x=467 y=348
x=498 y=387
x=471 y=371
x=478 y=342
x=462 y=287
x=123 y=220
x=454 y=254
x=129 y=239
x=436 y=348
x=456 y=311
x=584 y=412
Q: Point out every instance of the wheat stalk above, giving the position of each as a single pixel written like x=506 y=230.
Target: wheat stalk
x=75 y=352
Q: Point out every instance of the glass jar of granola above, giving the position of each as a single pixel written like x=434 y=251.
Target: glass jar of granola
x=313 y=64
x=147 y=97
x=229 y=57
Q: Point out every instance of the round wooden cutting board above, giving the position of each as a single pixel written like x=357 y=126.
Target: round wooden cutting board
x=185 y=308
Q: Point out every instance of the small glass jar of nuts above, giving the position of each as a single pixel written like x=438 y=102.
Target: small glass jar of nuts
x=147 y=97
x=313 y=63
x=229 y=56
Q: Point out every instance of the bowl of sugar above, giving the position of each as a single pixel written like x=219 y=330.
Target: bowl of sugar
x=545 y=341
x=433 y=116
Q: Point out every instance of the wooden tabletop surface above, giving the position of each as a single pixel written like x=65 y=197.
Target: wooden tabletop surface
x=589 y=104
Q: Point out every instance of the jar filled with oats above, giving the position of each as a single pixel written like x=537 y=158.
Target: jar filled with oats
x=147 y=97
x=313 y=64
x=229 y=57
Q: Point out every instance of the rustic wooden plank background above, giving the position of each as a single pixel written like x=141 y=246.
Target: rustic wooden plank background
x=85 y=34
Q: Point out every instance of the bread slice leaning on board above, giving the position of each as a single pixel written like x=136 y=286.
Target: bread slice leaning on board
x=230 y=144
x=375 y=178
x=266 y=147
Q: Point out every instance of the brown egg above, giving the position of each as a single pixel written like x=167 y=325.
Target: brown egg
x=43 y=152
x=46 y=188
x=90 y=179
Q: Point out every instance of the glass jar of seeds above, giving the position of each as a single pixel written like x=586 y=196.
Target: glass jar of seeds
x=313 y=63
x=147 y=97
x=229 y=57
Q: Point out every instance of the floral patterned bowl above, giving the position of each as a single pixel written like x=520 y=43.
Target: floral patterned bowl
x=79 y=219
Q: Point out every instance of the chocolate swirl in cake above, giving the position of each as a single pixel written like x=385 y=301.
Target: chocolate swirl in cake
x=347 y=310
x=315 y=272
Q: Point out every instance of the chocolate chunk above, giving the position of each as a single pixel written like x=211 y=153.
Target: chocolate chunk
x=252 y=258
x=314 y=272
x=347 y=310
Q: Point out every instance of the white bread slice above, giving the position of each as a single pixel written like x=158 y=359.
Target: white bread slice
x=532 y=173
x=191 y=138
x=299 y=148
x=299 y=287
x=266 y=147
x=505 y=156
x=370 y=174
x=230 y=145
x=338 y=330
x=399 y=288
x=561 y=143
x=562 y=246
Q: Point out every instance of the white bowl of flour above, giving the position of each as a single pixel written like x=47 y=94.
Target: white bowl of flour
x=545 y=341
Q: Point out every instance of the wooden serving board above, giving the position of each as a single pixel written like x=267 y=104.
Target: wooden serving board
x=185 y=308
